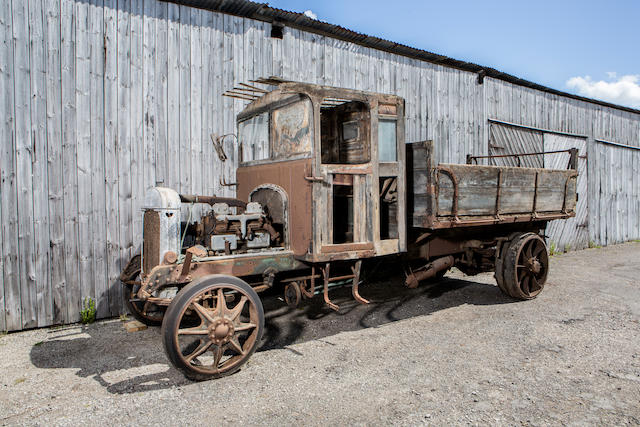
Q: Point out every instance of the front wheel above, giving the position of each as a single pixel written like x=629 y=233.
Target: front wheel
x=212 y=327
x=144 y=311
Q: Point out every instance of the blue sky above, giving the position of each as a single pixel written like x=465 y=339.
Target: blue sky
x=587 y=47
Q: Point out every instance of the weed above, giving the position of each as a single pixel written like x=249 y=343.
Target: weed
x=88 y=312
x=124 y=317
x=567 y=247
x=553 y=249
x=38 y=343
x=19 y=380
x=593 y=245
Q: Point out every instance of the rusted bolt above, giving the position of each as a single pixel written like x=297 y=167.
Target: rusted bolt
x=170 y=258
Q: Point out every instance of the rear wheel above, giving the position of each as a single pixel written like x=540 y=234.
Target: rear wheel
x=224 y=332
x=526 y=264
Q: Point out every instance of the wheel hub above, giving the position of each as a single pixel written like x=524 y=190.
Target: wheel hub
x=534 y=265
x=221 y=331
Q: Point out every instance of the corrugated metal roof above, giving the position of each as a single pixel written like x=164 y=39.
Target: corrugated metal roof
x=264 y=12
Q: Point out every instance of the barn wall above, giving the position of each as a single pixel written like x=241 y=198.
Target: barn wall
x=104 y=99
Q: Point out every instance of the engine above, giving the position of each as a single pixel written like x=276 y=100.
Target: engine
x=223 y=232
x=227 y=227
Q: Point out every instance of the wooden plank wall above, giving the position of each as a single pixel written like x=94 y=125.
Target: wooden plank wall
x=103 y=99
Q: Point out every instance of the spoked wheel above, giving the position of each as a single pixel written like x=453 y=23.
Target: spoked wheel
x=526 y=264
x=144 y=311
x=224 y=332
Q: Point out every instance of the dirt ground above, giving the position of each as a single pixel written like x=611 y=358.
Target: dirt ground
x=455 y=352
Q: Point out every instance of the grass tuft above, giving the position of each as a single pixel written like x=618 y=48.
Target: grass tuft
x=88 y=312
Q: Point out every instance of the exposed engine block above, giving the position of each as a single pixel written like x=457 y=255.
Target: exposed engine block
x=224 y=230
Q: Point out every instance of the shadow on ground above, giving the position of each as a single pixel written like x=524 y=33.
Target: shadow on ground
x=125 y=362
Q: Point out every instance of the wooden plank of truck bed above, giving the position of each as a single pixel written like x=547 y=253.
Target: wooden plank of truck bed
x=466 y=195
x=456 y=195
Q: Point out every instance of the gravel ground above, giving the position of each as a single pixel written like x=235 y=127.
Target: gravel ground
x=454 y=352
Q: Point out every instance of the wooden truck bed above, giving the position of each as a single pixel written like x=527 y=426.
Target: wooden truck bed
x=457 y=195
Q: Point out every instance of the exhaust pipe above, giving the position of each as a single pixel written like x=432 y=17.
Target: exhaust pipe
x=430 y=270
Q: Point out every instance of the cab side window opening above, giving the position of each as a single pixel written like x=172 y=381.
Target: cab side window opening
x=344 y=133
x=253 y=135
x=286 y=130
x=387 y=151
x=292 y=129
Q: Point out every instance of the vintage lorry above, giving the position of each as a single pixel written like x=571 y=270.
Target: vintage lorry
x=324 y=181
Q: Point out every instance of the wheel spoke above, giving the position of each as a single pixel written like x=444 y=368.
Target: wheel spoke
x=237 y=310
x=534 y=284
x=244 y=327
x=204 y=314
x=203 y=347
x=521 y=274
x=145 y=308
x=236 y=345
x=528 y=249
x=539 y=249
x=217 y=355
x=221 y=303
x=193 y=331
x=524 y=285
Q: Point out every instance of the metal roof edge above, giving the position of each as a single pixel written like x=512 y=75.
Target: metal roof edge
x=264 y=12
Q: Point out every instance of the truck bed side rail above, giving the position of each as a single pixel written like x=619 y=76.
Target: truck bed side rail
x=460 y=195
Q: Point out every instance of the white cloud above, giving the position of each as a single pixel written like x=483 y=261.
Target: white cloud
x=623 y=90
x=309 y=13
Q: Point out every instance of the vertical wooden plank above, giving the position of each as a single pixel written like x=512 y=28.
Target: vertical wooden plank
x=11 y=315
x=38 y=132
x=137 y=139
x=185 y=99
x=238 y=76
x=149 y=105
x=195 y=120
x=161 y=75
x=227 y=83
x=83 y=132
x=125 y=231
x=266 y=50
x=69 y=158
x=173 y=96
x=24 y=163
x=54 y=160
x=218 y=66
x=98 y=178
x=208 y=175
x=111 y=153
x=276 y=53
x=3 y=319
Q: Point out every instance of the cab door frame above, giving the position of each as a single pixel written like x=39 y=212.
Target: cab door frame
x=366 y=185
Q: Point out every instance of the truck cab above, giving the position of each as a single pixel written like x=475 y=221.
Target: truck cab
x=328 y=165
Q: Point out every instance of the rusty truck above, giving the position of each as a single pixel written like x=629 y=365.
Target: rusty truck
x=324 y=181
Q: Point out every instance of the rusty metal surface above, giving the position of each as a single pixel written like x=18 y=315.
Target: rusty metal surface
x=573 y=152
x=290 y=176
x=151 y=239
x=211 y=200
x=429 y=270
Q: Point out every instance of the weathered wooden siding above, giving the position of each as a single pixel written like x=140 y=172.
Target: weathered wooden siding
x=102 y=99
